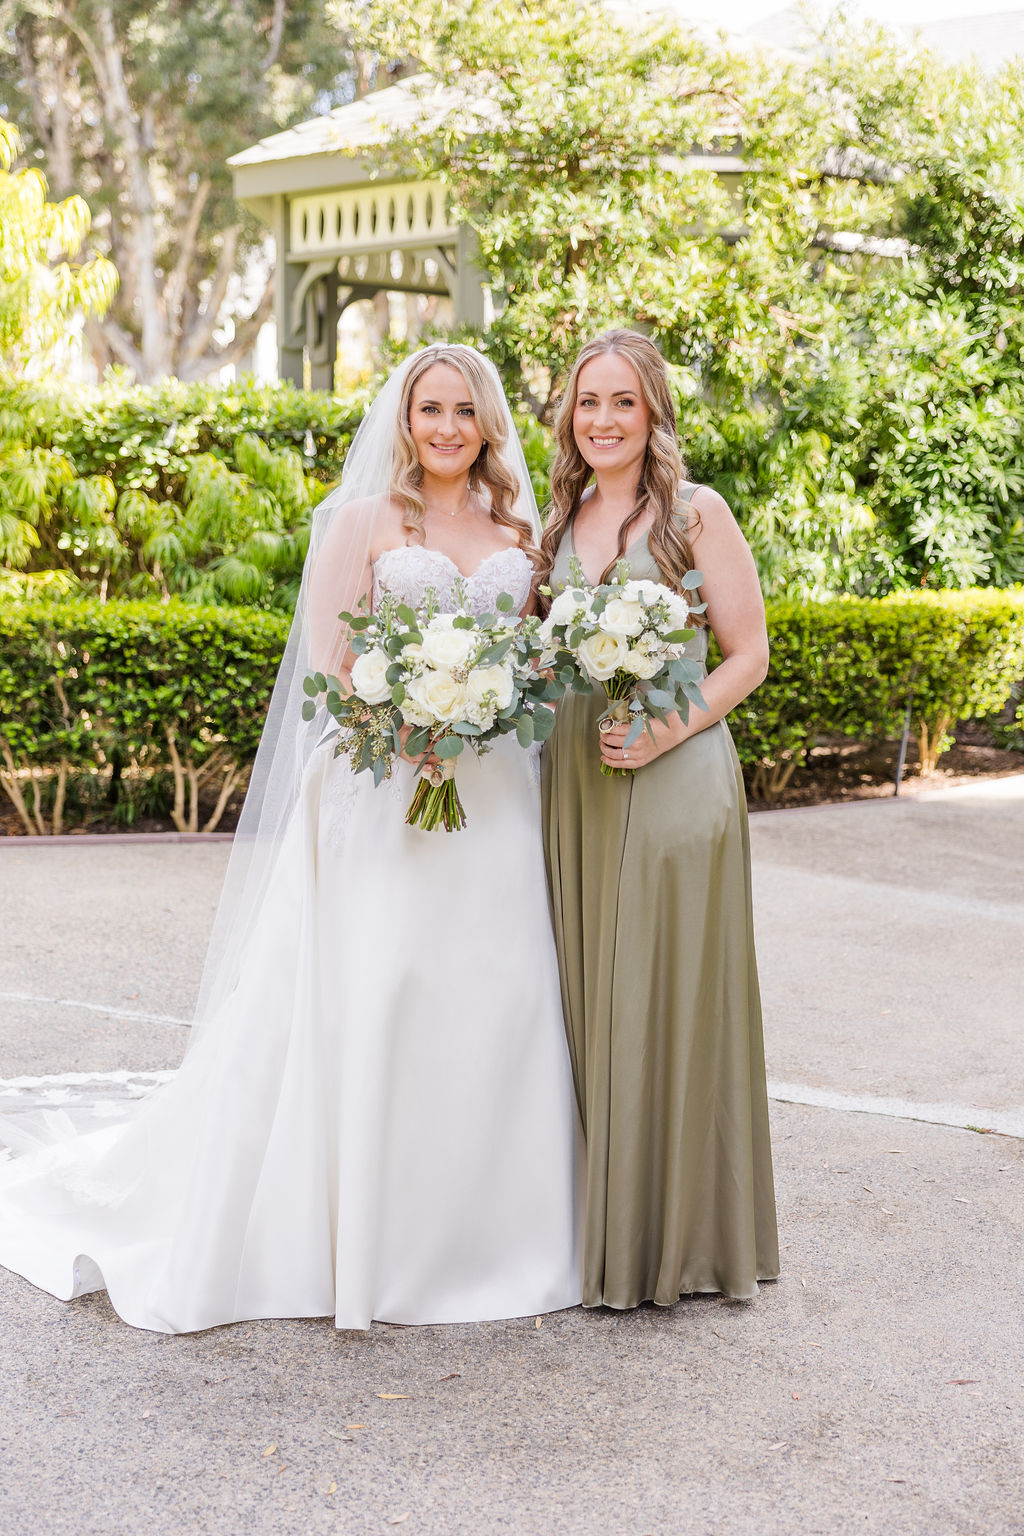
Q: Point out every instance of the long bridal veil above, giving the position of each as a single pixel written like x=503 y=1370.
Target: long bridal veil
x=336 y=576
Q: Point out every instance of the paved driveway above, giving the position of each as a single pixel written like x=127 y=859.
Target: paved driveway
x=875 y=1388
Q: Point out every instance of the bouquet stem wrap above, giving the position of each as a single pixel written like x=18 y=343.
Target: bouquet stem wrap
x=436 y=802
x=617 y=713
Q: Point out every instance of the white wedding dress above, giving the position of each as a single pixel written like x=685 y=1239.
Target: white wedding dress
x=380 y=1124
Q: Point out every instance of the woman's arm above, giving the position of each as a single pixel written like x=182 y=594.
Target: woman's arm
x=735 y=614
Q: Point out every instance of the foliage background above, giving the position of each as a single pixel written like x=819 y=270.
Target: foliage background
x=829 y=250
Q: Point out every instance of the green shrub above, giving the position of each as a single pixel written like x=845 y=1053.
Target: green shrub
x=92 y=686
x=136 y=691
x=193 y=490
x=850 y=667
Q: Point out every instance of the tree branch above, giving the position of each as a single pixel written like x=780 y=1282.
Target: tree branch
x=117 y=339
x=276 y=34
x=246 y=332
x=174 y=286
x=200 y=334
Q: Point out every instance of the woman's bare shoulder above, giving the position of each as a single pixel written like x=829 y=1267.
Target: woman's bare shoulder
x=706 y=512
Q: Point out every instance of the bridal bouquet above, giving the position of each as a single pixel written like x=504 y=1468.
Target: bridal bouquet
x=628 y=636
x=453 y=679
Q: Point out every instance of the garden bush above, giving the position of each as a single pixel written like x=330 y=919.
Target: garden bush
x=121 y=692
x=131 y=689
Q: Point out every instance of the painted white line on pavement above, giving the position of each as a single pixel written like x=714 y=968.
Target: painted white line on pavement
x=85 y=1079
x=964 y=1117
x=108 y=1008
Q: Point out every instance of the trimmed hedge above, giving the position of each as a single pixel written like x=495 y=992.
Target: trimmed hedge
x=130 y=689
x=88 y=686
x=850 y=666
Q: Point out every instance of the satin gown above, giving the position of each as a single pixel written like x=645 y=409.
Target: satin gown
x=381 y=1121
x=650 y=888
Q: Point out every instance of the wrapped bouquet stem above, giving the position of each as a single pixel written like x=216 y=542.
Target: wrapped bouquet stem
x=436 y=802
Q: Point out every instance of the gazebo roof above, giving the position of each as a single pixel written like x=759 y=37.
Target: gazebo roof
x=358 y=126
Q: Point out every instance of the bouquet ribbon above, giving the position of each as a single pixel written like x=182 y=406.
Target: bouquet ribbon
x=617 y=713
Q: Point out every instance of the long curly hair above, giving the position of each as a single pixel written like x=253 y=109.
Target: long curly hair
x=661 y=473
x=490 y=473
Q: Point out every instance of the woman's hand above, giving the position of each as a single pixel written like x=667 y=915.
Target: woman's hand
x=424 y=759
x=643 y=750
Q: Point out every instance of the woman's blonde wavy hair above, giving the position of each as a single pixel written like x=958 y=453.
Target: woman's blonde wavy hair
x=661 y=473
x=490 y=473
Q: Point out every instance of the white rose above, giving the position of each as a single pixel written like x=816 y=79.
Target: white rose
x=369 y=676
x=622 y=617
x=444 y=646
x=566 y=605
x=649 y=591
x=678 y=611
x=496 y=681
x=603 y=654
x=437 y=695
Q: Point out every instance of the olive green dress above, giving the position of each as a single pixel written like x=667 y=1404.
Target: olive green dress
x=650 y=888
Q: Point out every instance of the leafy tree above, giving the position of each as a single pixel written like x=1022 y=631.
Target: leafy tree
x=828 y=250
x=38 y=295
x=138 y=105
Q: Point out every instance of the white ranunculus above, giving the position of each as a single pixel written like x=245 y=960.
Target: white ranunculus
x=438 y=694
x=622 y=617
x=642 y=664
x=485 y=683
x=446 y=647
x=603 y=654
x=369 y=676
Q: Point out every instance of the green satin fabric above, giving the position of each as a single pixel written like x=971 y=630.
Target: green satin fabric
x=650 y=889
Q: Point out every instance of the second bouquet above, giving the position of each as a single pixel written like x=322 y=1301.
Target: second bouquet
x=428 y=685
x=629 y=636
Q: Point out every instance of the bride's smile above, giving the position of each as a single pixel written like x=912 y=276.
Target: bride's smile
x=443 y=423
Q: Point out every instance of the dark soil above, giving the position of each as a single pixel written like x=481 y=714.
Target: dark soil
x=833 y=772
x=843 y=770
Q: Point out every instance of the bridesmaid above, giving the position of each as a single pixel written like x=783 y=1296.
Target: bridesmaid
x=650 y=873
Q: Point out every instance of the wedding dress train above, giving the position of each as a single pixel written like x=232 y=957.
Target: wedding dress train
x=380 y=1124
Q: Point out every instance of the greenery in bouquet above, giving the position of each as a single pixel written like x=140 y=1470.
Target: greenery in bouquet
x=629 y=636
x=427 y=685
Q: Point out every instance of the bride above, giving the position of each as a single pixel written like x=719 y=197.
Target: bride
x=375 y=1117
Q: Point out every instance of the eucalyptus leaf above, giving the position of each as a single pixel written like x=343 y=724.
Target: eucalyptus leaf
x=543 y=723
x=448 y=746
x=417 y=741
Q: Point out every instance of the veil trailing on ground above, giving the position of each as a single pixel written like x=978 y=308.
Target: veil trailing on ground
x=336 y=575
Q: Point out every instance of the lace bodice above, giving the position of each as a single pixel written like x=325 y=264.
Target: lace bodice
x=407 y=572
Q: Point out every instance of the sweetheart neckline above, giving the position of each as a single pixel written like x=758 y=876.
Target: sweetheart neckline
x=509 y=549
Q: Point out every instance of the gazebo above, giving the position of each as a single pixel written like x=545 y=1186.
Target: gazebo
x=347 y=227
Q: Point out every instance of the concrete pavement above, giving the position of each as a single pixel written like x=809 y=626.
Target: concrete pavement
x=875 y=1388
